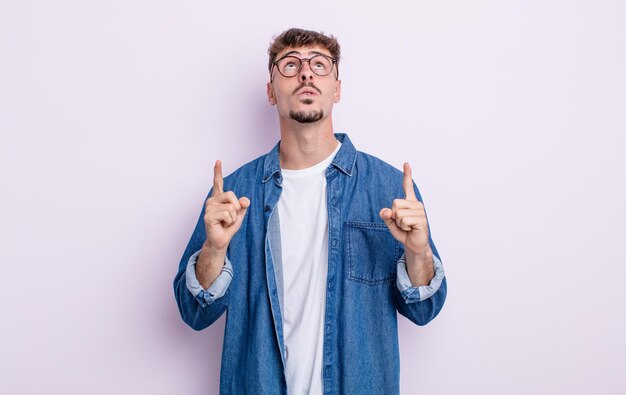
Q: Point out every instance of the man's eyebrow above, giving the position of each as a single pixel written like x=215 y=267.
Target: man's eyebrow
x=310 y=53
x=292 y=53
x=318 y=53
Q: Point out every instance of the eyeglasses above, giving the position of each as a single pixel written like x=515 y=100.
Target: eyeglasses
x=289 y=66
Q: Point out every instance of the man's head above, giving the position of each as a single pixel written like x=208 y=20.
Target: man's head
x=294 y=38
x=304 y=75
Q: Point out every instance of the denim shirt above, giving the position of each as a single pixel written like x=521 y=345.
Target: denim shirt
x=367 y=281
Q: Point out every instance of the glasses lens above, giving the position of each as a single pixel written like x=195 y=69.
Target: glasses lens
x=289 y=66
x=321 y=65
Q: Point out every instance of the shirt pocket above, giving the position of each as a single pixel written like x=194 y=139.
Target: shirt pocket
x=372 y=253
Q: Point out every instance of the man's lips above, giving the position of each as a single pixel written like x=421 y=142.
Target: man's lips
x=307 y=92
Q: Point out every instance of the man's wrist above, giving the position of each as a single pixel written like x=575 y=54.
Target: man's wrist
x=212 y=253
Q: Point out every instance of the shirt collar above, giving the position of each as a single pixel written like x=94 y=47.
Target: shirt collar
x=343 y=160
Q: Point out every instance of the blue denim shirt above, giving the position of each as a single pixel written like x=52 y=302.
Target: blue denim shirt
x=367 y=281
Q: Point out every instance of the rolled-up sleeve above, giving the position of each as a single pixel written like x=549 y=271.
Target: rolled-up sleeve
x=412 y=294
x=207 y=296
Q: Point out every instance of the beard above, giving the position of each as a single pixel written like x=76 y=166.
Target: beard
x=306 y=116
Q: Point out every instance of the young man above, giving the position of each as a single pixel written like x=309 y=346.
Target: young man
x=312 y=248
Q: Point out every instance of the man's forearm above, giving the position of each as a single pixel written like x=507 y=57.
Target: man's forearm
x=209 y=266
x=420 y=267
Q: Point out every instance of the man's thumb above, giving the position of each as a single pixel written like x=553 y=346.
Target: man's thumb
x=385 y=214
x=245 y=203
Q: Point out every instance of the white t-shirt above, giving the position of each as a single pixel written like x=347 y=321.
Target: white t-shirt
x=304 y=241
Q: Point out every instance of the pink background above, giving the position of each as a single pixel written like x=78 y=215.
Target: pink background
x=512 y=115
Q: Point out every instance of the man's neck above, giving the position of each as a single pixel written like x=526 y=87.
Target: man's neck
x=304 y=145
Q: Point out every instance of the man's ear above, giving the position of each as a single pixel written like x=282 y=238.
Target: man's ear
x=270 y=94
x=337 y=95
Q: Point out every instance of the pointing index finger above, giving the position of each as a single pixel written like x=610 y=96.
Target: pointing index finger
x=407 y=183
x=218 y=180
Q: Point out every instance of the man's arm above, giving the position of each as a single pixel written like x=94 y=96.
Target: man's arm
x=205 y=272
x=188 y=297
x=420 y=287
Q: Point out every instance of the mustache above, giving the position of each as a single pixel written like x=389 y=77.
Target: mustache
x=305 y=85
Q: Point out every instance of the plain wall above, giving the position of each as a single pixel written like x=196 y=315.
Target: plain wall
x=511 y=113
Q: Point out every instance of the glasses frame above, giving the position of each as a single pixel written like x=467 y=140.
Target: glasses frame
x=302 y=60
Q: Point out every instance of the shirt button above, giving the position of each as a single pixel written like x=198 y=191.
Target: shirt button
x=267 y=208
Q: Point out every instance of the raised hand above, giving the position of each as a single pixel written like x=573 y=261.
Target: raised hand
x=223 y=214
x=406 y=219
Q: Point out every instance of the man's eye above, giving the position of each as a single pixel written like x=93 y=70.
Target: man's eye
x=319 y=65
x=290 y=65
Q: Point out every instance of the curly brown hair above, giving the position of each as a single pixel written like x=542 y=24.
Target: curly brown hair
x=294 y=37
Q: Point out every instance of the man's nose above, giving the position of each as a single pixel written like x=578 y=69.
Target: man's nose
x=305 y=72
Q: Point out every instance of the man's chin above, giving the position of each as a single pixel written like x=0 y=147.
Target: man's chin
x=306 y=116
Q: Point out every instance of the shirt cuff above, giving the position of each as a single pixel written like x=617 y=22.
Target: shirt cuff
x=413 y=294
x=216 y=290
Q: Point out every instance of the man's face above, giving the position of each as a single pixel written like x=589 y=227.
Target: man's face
x=306 y=97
